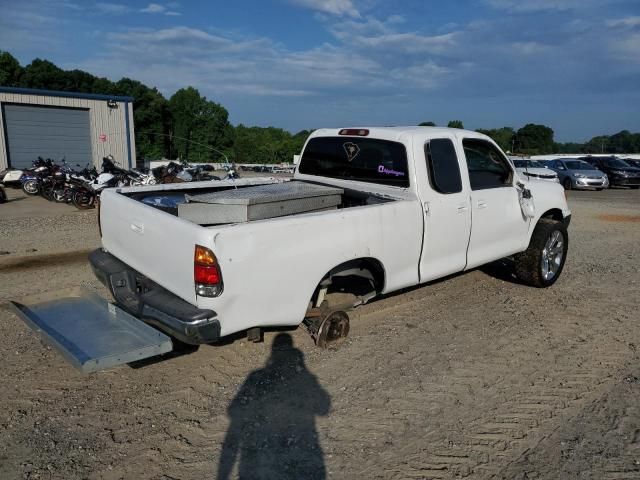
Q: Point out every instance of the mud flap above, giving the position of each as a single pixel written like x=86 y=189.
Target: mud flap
x=91 y=333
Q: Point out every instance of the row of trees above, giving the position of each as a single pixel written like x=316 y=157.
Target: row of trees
x=535 y=139
x=192 y=127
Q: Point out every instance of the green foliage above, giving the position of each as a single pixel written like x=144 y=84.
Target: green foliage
x=266 y=145
x=502 y=136
x=534 y=139
x=427 y=124
x=455 y=124
x=10 y=70
x=199 y=127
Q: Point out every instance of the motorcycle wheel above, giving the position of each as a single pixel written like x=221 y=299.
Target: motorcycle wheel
x=48 y=193
x=59 y=195
x=31 y=187
x=84 y=199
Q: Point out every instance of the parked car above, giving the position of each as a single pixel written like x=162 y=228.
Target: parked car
x=369 y=211
x=620 y=173
x=578 y=174
x=632 y=162
x=535 y=170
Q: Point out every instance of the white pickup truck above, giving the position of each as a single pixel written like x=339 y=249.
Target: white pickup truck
x=414 y=204
x=417 y=204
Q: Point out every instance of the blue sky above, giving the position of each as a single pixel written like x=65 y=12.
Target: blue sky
x=571 y=64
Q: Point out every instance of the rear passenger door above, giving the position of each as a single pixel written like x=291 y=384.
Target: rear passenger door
x=498 y=226
x=446 y=208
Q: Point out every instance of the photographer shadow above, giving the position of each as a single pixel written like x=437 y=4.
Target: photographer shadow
x=272 y=433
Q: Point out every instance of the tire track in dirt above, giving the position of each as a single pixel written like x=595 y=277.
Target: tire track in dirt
x=555 y=390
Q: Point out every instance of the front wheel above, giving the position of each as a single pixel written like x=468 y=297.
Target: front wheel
x=567 y=184
x=542 y=262
x=83 y=199
x=31 y=187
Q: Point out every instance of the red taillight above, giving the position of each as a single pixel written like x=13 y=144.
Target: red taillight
x=357 y=132
x=206 y=273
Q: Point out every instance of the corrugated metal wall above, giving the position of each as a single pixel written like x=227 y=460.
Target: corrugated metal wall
x=108 y=124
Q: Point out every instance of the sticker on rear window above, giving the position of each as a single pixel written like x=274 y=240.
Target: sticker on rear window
x=389 y=171
x=351 y=149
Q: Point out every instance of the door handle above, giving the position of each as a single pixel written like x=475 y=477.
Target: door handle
x=462 y=208
x=482 y=204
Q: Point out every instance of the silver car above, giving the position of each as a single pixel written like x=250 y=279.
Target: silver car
x=578 y=174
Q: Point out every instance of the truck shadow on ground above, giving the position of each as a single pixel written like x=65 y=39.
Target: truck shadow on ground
x=272 y=431
x=502 y=269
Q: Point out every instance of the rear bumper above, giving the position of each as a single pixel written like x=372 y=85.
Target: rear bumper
x=153 y=304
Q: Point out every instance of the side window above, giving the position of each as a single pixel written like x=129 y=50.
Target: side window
x=488 y=168
x=443 y=167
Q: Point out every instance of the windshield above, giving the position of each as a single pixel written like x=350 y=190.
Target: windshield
x=529 y=164
x=355 y=158
x=615 y=163
x=579 y=165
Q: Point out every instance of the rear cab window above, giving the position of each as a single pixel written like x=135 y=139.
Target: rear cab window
x=443 y=166
x=359 y=159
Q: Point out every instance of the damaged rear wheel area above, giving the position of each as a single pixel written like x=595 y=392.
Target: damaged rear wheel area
x=342 y=289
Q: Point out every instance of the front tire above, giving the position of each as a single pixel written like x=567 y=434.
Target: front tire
x=567 y=184
x=31 y=187
x=83 y=199
x=542 y=262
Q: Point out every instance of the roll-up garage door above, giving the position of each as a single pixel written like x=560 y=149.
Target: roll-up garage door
x=48 y=132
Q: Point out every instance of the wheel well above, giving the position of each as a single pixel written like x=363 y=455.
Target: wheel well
x=553 y=214
x=362 y=277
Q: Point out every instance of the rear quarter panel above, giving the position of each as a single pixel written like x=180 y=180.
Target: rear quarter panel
x=271 y=268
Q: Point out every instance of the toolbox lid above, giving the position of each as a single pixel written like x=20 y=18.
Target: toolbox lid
x=91 y=333
x=278 y=192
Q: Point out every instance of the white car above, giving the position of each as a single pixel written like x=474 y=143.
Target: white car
x=369 y=211
x=535 y=170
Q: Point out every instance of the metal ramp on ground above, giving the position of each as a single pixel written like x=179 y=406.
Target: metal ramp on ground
x=91 y=333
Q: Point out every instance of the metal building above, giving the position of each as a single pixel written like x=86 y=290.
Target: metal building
x=80 y=128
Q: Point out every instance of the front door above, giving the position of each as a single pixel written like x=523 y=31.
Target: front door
x=499 y=227
x=447 y=210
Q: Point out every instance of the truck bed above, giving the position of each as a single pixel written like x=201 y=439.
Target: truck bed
x=209 y=205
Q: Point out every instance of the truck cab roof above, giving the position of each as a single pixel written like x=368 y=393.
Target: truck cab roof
x=399 y=132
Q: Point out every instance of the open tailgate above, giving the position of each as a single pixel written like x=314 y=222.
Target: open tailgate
x=91 y=333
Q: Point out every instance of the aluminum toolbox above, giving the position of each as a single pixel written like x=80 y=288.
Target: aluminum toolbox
x=91 y=333
x=259 y=202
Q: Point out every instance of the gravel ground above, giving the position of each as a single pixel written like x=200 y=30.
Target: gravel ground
x=474 y=376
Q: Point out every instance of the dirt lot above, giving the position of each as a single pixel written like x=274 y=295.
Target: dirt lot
x=474 y=376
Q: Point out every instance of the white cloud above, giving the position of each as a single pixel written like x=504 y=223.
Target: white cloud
x=162 y=9
x=628 y=22
x=333 y=7
x=627 y=48
x=154 y=8
x=541 y=5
